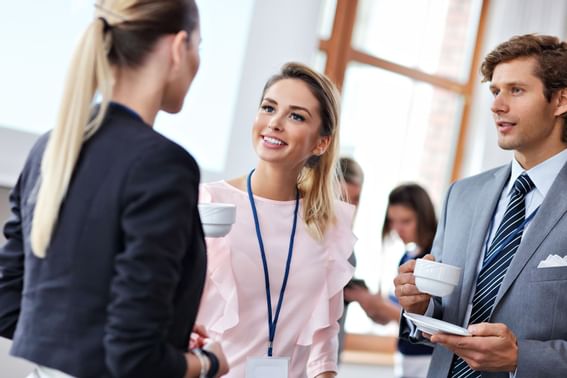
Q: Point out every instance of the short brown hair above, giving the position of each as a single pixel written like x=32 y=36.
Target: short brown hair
x=549 y=51
x=550 y=54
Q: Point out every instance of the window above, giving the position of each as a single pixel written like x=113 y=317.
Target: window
x=406 y=70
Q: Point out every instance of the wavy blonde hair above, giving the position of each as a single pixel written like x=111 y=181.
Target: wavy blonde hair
x=318 y=181
x=122 y=33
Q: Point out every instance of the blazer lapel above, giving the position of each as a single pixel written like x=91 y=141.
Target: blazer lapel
x=553 y=207
x=487 y=200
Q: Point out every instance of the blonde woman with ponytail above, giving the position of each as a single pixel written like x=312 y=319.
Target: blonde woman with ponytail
x=288 y=250
x=104 y=264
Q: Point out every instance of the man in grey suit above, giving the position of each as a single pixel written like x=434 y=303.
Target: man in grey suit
x=501 y=224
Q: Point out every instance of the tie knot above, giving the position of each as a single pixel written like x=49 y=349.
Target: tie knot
x=523 y=184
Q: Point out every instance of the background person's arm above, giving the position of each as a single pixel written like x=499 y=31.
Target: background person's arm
x=380 y=310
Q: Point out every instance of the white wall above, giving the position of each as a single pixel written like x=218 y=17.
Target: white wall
x=282 y=31
x=14 y=147
x=243 y=44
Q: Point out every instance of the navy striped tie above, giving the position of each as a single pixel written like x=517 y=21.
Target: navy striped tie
x=495 y=265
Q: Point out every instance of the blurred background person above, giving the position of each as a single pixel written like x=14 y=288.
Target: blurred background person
x=410 y=216
x=104 y=264
x=351 y=180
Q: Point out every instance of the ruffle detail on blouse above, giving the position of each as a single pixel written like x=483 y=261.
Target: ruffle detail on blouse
x=339 y=244
x=223 y=315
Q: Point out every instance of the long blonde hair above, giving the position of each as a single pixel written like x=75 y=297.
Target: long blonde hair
x=318 y=181
x=122 y=33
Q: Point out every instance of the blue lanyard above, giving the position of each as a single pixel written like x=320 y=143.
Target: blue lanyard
x=272 y=322
x=504 y=242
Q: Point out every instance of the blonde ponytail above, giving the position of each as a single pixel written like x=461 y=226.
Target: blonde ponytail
x=319 y=186
x=89 y=74
x=123 y=33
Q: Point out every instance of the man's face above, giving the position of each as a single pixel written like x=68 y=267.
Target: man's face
x=525 y=121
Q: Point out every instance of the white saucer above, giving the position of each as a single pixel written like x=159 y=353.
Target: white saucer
x=433 y=326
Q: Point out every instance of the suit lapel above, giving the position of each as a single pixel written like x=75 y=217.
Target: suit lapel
x=553 y=207
x=487 y=200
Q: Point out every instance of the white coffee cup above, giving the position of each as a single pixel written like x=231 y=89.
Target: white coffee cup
x=436 y=278
x=217 y=218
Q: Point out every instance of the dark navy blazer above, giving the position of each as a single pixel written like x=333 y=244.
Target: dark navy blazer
x=118 y=292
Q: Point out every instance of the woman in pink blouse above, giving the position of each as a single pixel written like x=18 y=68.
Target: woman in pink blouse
x=291 y=239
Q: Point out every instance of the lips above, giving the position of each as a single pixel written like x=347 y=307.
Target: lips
x=273 y=141
x=505 y=126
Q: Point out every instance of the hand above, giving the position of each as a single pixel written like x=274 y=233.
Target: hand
x=355 y=293
x=411 y=299
x=327 y=374
x=493 y=347
x=199 y=337
x=216 y=349
x=380 y=310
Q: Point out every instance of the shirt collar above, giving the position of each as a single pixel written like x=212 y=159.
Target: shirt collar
x=542 y=174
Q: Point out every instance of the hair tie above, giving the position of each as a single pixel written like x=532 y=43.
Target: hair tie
x=106 y=25
x=104 y=12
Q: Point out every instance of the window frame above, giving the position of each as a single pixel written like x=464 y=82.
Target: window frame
x=340 y=52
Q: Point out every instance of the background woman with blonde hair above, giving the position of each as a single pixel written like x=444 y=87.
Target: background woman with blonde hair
x=274 y=283
x=104 y=264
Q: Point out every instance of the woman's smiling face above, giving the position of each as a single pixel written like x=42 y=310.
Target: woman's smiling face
x=287 y=127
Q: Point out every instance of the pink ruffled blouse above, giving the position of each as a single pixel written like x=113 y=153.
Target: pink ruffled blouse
x=233 y=308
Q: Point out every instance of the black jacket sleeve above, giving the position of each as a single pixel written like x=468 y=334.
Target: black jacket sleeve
x=159 y=202
x=11 y=267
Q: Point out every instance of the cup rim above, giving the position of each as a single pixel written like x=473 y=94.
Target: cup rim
x=448 y=266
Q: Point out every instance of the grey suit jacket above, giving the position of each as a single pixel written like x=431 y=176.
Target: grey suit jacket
x=532 y=302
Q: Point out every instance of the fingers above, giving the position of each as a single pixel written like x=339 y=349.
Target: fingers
x=404 y=278
x=200 y=330
x=407 y=267
x=451 y=341
x=489 y=353
x=409 y=297
x=429 y=257
x=199 y=337
x=489 y=329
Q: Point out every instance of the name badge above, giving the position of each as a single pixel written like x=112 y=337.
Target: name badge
x=262 y=367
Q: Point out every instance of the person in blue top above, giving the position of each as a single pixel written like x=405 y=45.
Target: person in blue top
x=411 y=216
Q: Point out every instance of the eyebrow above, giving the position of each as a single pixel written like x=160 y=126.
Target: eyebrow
x=510 y=84
x=294 y=107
